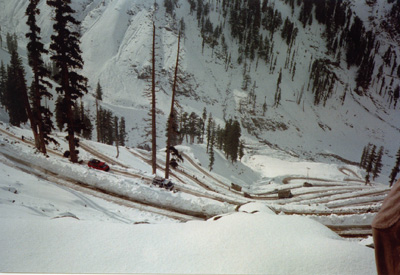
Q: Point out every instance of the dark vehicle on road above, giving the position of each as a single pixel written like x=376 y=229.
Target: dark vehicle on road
x=163 y=183
x=99 y=165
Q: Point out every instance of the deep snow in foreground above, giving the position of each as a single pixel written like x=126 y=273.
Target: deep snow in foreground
x=48 y=227
x=241 y=243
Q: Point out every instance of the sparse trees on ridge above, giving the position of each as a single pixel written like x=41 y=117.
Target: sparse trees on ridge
x=371 y=161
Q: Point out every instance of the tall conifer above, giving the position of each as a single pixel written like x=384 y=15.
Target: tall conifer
x=376 y=170
x=116 y=134
x=211 y=145
x=3 y=83
x=122 y=132
x=99 y=97
x=16 y=93
x=370 y=162
x=41 y=115
x=66 y=54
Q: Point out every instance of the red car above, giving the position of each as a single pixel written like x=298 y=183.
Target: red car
x=97 y=164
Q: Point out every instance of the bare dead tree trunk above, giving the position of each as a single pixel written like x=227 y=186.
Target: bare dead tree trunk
x=170 y=118
x=153 y=109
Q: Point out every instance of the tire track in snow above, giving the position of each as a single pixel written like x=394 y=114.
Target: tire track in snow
x=90 y=203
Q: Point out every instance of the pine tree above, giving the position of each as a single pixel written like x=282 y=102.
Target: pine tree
x=66 y=54
x=106 y=126
x=16 y=91
x=246 y=81
x=305 y=15
x=231 y=139
x=169 y=6
x=41 y=116
x=219 y=140
x=364 y=73
x=100 y=125
x=78 y=117
x=122 y=132
x=109 y=127
x=3 y=83
x=395 y=170
x=60 y=113
x=87 y=126
x=376 y=170
x=99 y=97
x=226 y=133
x=241 y=149
x=278 y=90
x=55 y=71
x=370 y=162
x=116 y=134
x=364 y=156
x=203 y=124
x=12 y=42
x=211 y=146
x=265 y=106
x=9 y=41
x=235 y=140
x=396 y=96
x=99 y=91
x=192 y=126
x=209 y=130
x=354 y=52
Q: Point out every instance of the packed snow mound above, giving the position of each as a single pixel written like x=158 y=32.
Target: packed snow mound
x=255 y=207
x=239 y=243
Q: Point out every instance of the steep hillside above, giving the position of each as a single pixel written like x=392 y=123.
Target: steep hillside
x=309 y=85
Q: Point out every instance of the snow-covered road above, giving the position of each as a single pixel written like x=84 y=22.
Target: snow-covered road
x=120 y=216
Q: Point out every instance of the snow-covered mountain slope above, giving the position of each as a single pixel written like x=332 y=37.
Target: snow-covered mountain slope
x=116 y=44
